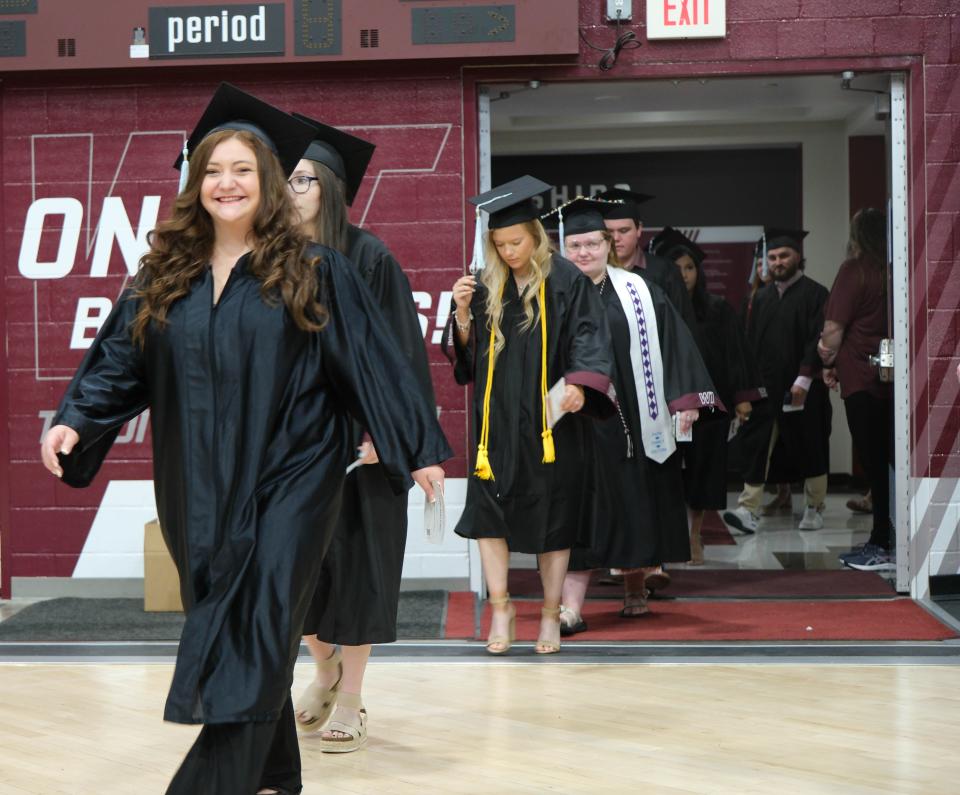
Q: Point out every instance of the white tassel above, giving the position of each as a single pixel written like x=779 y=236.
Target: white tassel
x=184 y=169
x=476 y=261
x=563 y=248
x=765 y=272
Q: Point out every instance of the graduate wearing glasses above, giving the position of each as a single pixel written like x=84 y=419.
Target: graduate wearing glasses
x=355 y=604
x=658 y=375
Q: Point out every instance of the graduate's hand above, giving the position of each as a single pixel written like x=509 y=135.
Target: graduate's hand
x=572 y=398
x=830 y=377
x=463 y=290
x=426 y=477
x=59 y=439
x=798 y=395
x=743 y=410
x=368 y=453
x=687 y=418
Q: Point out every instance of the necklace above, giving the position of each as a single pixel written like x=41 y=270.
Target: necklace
x=603 y=283
x=522 y=285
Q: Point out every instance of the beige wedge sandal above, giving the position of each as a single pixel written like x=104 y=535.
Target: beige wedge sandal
x=355 y=730
x=545 y=646
x=499 y=640
x=316 y=704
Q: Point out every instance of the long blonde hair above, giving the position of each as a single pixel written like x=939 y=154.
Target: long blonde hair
x=496 y=272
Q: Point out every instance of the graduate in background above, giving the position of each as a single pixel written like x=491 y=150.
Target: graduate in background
x=789 y=433
x=249 y=345
x=658 y=374
x=528 y=320
x=760 y=277
x=621 y=216
x=734 y=374
x=355 y=604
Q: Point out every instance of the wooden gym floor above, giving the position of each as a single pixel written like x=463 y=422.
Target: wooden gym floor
x=515 y=727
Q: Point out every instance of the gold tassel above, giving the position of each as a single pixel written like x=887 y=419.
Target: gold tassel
x=549 y=455
x=482 y=469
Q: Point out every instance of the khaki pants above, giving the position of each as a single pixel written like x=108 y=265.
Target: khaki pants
x=814 y=489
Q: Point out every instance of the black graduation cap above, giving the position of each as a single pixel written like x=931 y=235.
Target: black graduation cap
x=233 y=109
x=345 y=155
x=777 y=237
x=508 y=204
x=578 y=216
x=627 y=203
x=672 y=243
x=512 y=202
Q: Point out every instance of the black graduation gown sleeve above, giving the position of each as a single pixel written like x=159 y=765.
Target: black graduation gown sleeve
x=741 y=375
x=589 y=362
x=373 y=378
x=686 y=380
x=463 y=356
x=385 y=277
x=108 y=389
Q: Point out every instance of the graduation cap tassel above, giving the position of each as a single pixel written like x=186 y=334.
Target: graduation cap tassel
x=563 y=248
x=184 y=169
x=765 y=271
x=476 y=261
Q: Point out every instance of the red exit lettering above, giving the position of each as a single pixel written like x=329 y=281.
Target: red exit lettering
x=692 y=12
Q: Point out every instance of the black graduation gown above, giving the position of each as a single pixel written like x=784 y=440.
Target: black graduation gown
x=536 y=507
x=359 y=586
x=722 y=344
x=251 y=435
x=783 y=334
x=642 y=520
x=665 y=274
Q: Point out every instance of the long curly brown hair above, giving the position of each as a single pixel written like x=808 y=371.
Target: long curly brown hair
x=181 y=247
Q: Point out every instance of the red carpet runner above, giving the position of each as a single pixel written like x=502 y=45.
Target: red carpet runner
x=707 y=583
x=889 y=619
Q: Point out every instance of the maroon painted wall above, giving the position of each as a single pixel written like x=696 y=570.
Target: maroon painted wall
x=418 y=205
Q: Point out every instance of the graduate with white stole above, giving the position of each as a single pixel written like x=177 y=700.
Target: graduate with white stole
x=659 y=377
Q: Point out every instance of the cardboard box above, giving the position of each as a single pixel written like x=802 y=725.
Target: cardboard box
x=161 y=583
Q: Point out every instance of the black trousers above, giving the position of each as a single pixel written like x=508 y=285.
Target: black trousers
x=870 y=420
x=241 y=758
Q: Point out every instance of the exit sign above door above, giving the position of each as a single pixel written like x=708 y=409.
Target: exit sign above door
x=686 y=19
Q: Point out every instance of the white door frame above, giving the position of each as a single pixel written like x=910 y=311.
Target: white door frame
x=901 y=497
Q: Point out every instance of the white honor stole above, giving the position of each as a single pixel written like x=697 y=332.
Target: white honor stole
x=656 y=426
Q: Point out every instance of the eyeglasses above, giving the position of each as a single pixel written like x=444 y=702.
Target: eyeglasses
x=589 y=245
x=301 y=183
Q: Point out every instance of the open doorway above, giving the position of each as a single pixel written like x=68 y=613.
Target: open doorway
x=723 y=157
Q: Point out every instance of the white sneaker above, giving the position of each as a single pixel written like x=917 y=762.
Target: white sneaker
x=742 y=520
x=812 y=519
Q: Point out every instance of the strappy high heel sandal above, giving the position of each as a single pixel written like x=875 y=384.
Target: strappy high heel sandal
x=355 y=730
x=317 y=702
x=499 y=640
x=545 y=646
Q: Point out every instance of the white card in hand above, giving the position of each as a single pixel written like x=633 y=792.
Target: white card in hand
x=679 y=435
x=734 y=428
x=554 y=399
x=434 y=515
